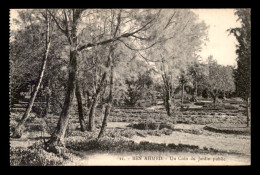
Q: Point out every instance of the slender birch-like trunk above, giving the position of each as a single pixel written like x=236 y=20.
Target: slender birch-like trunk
x=19 y=129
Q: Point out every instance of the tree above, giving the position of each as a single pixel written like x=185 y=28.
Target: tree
x=183 y=82
x=220 y=78
x=68 y=22
x=19 y=129
x=197 y=72
x=180 y=37
x=243 y=71
x=227 y=80
x=110 y=97
x=57 y=137
x=138 y=88
x=214 y=78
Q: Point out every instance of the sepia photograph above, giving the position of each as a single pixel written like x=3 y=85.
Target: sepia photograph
x=130 y=87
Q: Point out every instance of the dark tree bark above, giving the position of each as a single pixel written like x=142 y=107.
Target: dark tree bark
x=19 y=129
x=57 y=138
x=80 y=108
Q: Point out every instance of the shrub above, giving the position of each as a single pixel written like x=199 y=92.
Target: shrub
x=34 y=156
x=107 y=144
x=166 y=131
x=151 y=124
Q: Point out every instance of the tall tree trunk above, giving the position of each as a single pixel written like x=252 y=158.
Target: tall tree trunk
x=248 y=113
x=19 y=129
x=80 y=108
x=109 y=105
x=57 y=138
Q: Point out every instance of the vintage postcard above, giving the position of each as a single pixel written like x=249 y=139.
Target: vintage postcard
x=134 y=87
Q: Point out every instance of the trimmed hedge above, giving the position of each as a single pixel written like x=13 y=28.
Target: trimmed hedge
x=227 y=129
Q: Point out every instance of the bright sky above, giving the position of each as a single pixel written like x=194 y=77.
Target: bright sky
x=221 y=45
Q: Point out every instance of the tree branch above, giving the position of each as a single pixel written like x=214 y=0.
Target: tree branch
x=169 y=21
x=131 y=48
x=126 y=35
x=62 y=30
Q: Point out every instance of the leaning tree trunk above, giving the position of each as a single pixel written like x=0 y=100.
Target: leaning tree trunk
x=19 y=129
x=57 y=138
x=92 y=111
x=248 y=113
x=80 y=108
x=109 y=105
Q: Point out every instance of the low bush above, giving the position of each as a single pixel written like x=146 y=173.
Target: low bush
x=35 y=156
x=107 y=144
x=152 y=125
